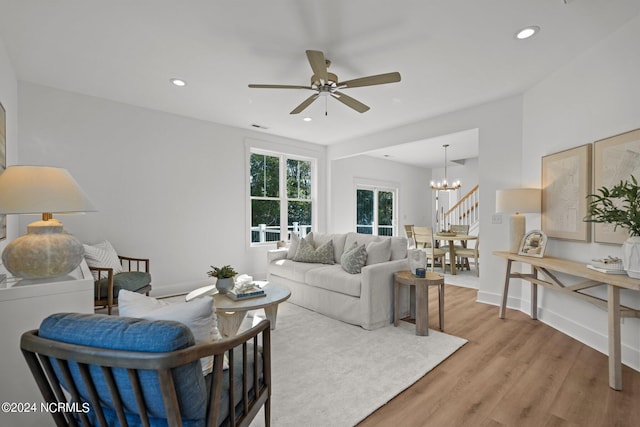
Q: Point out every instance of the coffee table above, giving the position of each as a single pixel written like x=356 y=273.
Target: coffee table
x=231 y=313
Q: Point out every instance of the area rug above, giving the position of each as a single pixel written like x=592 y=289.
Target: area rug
x=329 y=373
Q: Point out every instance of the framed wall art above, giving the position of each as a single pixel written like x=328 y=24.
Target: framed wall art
x=615 y=159
x=533 y=244
x=3 y=164
x=566 y=183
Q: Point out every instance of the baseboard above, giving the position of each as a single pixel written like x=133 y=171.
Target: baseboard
x=178 y=288
x=594 y=339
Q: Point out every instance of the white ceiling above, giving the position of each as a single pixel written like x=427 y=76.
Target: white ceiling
x=451 y=54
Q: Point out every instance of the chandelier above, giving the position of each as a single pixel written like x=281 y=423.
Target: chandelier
x=444 y=185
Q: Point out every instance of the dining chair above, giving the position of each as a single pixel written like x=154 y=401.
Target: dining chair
x=461 y=244
x=408 y=229
x=473 y=252
x=424 y=239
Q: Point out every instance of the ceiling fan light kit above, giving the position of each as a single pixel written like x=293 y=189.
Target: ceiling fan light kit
x=327 y=84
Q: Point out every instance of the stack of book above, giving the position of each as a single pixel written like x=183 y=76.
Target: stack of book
x=246 y=292
x=608 y=265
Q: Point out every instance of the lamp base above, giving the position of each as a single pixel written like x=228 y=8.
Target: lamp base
x=517 y=227
x=45 y=251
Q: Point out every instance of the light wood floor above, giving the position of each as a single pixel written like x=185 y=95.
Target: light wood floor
x=512 y=372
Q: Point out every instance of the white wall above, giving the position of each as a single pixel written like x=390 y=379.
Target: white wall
x=499 y=166
x=166 y=187
x=414 y=203
x=595 y=96
x=9 y=100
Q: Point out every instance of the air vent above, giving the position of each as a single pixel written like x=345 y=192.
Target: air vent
x=258 y=126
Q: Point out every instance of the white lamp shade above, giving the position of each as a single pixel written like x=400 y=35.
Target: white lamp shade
x=40 y=189
x=520 y=200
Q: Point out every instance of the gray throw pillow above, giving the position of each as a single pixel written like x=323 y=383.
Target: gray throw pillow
x=354 y=259
x=307 y=253
x=295 y=243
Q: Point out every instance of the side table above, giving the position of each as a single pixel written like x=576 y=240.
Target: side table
x=419 y=290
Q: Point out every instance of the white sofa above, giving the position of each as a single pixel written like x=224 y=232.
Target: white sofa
x=364 y=299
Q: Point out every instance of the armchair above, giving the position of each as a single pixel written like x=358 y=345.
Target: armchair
x=123 y=371
x=133 y=278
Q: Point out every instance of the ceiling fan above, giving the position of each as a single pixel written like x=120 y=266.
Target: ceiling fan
x=326 y=84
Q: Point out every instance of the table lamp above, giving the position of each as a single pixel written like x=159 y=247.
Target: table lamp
x=47 y=250
x=517 y=201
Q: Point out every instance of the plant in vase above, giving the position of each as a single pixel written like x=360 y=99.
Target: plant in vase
x=225 y=276
x=620 y=206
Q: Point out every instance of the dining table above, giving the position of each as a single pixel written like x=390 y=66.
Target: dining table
x=452 y=238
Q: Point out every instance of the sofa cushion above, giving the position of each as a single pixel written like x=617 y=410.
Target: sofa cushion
x=292 y=270
x=308 y=253
x=398 y=248
x=379 y=251
x=354 y=259
x=334 y=278
x=360 y=239
x=121 y=333
x=338 y=240
x=133 y=281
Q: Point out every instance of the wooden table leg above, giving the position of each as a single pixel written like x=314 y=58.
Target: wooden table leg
x=534 y=295
x=441 y=305
x=615 y=356
x=229 y=322
x=396 y=305
x=422 y=309
x=452 y=260
x=505 y=292
x=271 y=312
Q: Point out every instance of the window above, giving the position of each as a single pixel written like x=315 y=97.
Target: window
x=281 y=193
x=375 y=211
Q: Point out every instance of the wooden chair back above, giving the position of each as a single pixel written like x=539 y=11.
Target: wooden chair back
x=67 y=373
x=408 y=229
x=460 y=228
x=423 y=236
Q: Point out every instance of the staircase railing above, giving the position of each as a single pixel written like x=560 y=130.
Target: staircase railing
x=465 y=211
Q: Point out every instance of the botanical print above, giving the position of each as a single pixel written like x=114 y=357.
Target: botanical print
x=616 y=159
x=566 y=180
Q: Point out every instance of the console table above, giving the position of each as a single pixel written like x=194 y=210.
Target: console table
x=593 y=278
x=23 y=305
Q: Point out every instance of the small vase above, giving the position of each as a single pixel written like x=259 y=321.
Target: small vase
x=631 y=256
x=225 y=285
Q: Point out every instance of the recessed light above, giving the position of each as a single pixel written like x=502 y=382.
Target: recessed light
x=528 y=32
x=178 y=82
x=307 y=119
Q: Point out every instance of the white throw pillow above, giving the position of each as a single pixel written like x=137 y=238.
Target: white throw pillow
x=102 y=255
x=378 y=252
x=198 y=315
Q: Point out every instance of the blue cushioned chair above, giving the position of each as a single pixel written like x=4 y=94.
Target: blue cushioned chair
x=119 y=371
x=135 y=278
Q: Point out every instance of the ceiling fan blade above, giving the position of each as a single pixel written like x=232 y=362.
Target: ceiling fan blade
x=318 y=64
x=379 y=79
x=350 y=102
x=305 y=104
x=279 y=87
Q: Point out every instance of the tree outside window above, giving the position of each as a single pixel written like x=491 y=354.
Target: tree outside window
x=281 y=188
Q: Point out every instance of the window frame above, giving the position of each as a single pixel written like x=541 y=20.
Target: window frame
x=376 y=188
x=283 y=197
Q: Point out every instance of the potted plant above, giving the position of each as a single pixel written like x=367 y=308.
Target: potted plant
x=620 y=206
x=225 y=276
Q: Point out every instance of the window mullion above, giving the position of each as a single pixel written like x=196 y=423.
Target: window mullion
x=284 y=214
